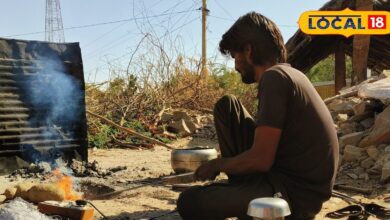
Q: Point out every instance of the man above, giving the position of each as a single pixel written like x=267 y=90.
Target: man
x=290 y=150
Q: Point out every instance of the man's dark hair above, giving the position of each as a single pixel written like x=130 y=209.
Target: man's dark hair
x=261 y=34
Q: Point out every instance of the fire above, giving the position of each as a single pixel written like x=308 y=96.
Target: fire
x=65 y=183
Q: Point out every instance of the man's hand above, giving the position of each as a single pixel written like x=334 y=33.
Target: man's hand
x=208 y=170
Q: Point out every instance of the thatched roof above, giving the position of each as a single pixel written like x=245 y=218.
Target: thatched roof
x=305 y=51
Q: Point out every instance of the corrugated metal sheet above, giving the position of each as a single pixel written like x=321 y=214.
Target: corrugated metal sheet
x=24 y=128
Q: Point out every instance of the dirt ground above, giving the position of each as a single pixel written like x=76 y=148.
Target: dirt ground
x=150 y=201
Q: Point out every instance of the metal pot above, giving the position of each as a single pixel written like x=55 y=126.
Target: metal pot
x=268 y=208
x=189 y=159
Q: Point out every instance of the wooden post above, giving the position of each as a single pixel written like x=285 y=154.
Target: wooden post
x=339 y=73
x=361 y=47
x=204 y=29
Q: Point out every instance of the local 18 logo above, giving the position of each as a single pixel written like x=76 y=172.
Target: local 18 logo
x=346 y=22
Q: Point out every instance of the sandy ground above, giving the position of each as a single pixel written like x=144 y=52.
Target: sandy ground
x=150 y=201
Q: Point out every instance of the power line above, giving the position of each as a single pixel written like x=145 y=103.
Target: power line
x=216 y=1
x=124 y=55
x=103 y=23
x=116 y=27
x=94 y=52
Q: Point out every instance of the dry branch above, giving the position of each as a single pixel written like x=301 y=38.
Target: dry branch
x=130 y=131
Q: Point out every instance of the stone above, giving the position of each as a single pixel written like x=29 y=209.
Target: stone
x=351 y=139
x=372 y=152
x=191 y=125
x=9 y=164
x=198 y=119
x=178 y=115
x=179 y=127
x=353 y=176
x=360 y=108
x=387 y=149
x=352 y=153
x=166 y=117
x=367 y=123
x=2 y=198
x=385 y=177
x=361 y=117
x=342 y=117
x=381 y=131
x=347 y=128
x=376 y=90
x=343 y=107
x=367 y=163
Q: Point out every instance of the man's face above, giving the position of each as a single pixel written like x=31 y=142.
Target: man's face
x=244 y=67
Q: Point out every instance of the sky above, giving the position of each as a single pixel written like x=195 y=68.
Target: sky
x=109 y=31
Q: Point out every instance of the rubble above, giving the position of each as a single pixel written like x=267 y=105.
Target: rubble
x=187 y=122
x=43 y=170
x=92 y=169
x=362 y=119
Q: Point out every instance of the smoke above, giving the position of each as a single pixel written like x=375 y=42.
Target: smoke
x=54 y=98
x=54 y=92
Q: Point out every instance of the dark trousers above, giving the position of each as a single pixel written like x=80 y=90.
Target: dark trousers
x=235 y=129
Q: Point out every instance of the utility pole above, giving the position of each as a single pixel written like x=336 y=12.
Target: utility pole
x=205 y=12
x=54 y=30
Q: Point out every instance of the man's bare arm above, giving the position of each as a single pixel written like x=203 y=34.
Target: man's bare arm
x=259 y=158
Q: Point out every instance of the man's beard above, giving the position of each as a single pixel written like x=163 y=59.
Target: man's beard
x=248 y=74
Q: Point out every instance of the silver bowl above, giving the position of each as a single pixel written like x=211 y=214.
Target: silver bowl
x=268 y=208
x=189 y=159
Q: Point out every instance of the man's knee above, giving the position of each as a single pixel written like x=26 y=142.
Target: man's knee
x=224 y=103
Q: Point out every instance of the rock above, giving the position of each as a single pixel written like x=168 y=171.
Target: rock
x=360 y=108
x=386 y=73
x=342 y=117
x=353 y=176
x=9 y=164
x=358 y=118
x=351 y=139
x=10 y=192
x=381 y=130
x=377 y=90
x=2 y=198
x=343 y=107
x=178 y=115
x=347 y=128
x=387 y=149
x=364 y=176
x=198 y=119
x=372 y=152
x=367 y=163
x=191 y=125
x=367 y=106
x=352 y=153
x=179 y=127
x=121 y=181
x=385 y=177
x=166 y=117
x=367 y=123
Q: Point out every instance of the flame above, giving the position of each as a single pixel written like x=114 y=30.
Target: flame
x=66 y=184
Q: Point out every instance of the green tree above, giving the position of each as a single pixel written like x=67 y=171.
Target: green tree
x=324 y=70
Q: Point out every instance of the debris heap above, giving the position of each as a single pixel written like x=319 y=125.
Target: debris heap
x=362 y=119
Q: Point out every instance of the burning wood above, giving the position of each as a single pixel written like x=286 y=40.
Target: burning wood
x=66 y=184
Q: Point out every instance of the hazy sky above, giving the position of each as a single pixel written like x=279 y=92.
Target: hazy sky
x=109 y=30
